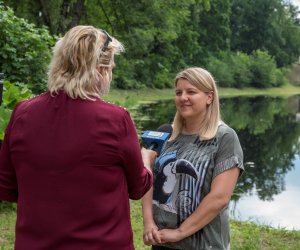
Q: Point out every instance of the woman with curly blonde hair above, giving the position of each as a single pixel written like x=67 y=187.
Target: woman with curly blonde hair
x=70 y=160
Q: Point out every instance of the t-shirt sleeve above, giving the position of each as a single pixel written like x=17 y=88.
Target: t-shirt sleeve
x=229 y=154
x=8 y=179
x=139 y=179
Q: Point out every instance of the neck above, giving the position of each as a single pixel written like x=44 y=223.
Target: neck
x=192 y=127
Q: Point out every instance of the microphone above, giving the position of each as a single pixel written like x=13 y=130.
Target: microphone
x=156 y=139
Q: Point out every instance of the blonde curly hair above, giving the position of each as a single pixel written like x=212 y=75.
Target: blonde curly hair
x=76 y=60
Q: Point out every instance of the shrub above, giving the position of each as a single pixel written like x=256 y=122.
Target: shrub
x=263 y=68
x=242 y=75
x=281 y=77
x=221 y=71
x=24 y=50
x=11 y=96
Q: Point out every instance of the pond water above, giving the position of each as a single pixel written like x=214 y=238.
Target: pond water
x=269 y=131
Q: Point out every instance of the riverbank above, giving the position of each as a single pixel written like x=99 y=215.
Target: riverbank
x=244 y=235
x=130 y=98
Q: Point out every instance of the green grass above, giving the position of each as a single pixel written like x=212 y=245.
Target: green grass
x=244 y=235
x=284 y=91
x=249 y=236
x=7 y=226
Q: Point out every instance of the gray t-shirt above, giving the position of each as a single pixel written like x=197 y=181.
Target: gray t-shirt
x=182 y=177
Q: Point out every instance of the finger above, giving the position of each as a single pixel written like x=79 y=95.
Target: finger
x=146 y=240
x=150 y=237
x=156 y=235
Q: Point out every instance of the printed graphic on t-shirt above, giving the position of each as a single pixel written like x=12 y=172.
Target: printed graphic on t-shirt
x=179 y=175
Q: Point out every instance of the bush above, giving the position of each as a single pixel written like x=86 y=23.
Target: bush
x=221 y=71
x=281 y=77
x=11 y=96
x=240 y=63
x=263 y=68
x=24 y=50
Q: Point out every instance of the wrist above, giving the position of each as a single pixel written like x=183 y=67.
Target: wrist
x=148 y=221
x=181 y=233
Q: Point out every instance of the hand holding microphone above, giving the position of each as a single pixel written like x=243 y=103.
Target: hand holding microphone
x=154 y=141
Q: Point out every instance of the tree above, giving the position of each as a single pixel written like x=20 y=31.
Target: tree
x=269 y=25
x=58 y=15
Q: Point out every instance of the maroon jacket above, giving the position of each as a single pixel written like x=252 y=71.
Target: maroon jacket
x=72 y=165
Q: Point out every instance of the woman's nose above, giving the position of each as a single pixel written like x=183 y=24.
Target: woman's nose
x=184 y=97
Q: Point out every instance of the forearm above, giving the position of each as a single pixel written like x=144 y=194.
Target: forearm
x=208 y=209
x=221 y=190
x=150 y=228
x=147 y=207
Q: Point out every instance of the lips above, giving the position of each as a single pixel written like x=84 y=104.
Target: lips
x=185 y=106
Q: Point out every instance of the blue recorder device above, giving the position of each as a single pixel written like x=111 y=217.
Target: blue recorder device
x=155 y=140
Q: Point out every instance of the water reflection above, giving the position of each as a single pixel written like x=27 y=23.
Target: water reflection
x=269 y=131
x=282 y=211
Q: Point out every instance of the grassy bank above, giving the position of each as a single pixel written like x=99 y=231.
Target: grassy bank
x=245 y=235
x=130 y=98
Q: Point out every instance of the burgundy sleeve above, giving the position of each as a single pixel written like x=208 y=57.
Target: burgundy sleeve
x=139 y=179
x=8 y=180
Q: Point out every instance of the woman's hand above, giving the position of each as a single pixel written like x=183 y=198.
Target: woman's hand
x=150 y=235
x=169 y=235
x=148 y=157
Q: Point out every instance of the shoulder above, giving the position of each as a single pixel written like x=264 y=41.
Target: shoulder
x=25 y=104
x=225 y=130
x=113 y=108
x=227 y=136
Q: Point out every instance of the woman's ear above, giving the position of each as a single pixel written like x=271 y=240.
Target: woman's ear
x=210 y=97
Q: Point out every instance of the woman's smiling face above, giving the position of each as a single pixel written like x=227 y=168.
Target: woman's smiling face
x=191 y=102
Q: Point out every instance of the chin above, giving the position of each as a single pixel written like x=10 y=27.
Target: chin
x=185 y=115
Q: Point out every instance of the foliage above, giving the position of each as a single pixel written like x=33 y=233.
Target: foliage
x=24 y=48
x=242 y=76
x=162 y=38
x=153 y=55
x=270 y=25
x=57 y=15
x=222 y=71
x=11 y=96
x=241 y=70
x=214 y=26
x=263 y=69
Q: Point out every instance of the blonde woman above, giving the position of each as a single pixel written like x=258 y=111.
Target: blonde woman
x=196 y=172
x=70 y=160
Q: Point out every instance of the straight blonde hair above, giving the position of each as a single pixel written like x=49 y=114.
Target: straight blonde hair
x=76 y=60
x=202 y=80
